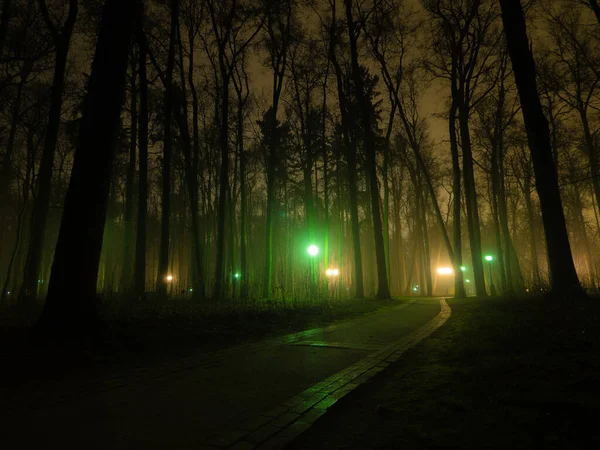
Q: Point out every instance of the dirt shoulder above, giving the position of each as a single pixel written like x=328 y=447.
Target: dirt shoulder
x=499 y=374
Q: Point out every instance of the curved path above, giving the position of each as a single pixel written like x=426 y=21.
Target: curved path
x=258 y=395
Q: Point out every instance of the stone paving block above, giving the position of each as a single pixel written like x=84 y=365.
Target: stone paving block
x=293 y=430
x=310 y=391
x=277 y=411
x=242 y=445
x=309 y=402
x=277 y=442
x=285 y=419
x=255 y=423
x=363 y=378
x=262 y=434
x=312 y=415
x=294 y=401
x=227 y=439
x=327 y=402
x=321 y=385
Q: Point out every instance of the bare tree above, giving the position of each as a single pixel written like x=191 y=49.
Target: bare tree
x=69 y=310
x=563 y=275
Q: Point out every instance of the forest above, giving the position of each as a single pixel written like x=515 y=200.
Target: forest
x=281 y=151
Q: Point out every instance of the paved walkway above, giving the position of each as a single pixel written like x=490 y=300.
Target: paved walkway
x=256 y=395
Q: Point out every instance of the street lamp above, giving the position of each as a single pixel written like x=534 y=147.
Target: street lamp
x=313 y=250
x=445 y=271
x=169 y=278
x=332 y=272
x=463 y=268
x=489 y=259
x=236 y=275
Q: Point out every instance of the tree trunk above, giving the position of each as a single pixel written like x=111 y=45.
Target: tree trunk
x=4 y=18
x=126 y=281
x=564 y=277
x=62 y=41
x=383 y=290
x=139 y=275
x=163 y=256
x=191 y=179
x=459 y=286
x=70 y=310
x=471 y=200
x=224 y=178
x=495 y=172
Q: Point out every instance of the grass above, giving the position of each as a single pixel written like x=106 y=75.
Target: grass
x=154 y=331
x=500 y=374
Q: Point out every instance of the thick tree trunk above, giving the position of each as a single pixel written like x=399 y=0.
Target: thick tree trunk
x=471 y=200
x=563 y=274
x=139 y=274
x=4 y=18
x=162 y=282
x=383 y=290
x=62 y=41
x=70 y=306
x=595 y=8
x=126 y=281
x=459 y=286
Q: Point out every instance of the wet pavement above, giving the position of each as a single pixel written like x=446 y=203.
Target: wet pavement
x=191 y=402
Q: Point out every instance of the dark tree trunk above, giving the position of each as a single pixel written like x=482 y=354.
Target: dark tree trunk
x=191 y=179
x=126 y=281
x=459 y=286
x=4 y=18
x=224 y=182
x=140 y=241
x=6 y=169
x=383 y=290
x=62 y=41
x=563 y=274
x=596 y=8
x=495 y=172
x=163 y=255
x=70 y=306
x=471 y=200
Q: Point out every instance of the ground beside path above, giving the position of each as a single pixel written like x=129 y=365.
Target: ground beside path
x=500 y=374
x=186 y=403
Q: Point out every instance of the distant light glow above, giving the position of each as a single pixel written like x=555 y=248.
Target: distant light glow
x=468 y=281
x=445 y=271
x=7 y=292
x=313 y=250
x=236 y=275
x=169 y=278
x=191 y=290
x=332 y=272
x=463 y=268
x=489 y=258
x=416 y=287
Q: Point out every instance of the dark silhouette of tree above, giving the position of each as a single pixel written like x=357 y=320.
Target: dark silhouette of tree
x=69 y=310
x=383 y=290
x=162 y=281
x=139 y=271
x=61 y=37
x=463 y=47
x=563 y=276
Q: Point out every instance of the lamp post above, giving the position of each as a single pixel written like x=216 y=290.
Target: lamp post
x=489 y=259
